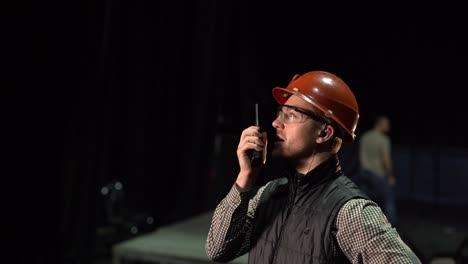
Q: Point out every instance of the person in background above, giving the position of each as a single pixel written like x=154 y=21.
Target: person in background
x=376 y=165
x=311 y=212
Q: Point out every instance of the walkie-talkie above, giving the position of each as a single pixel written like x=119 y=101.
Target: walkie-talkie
x=256 y=156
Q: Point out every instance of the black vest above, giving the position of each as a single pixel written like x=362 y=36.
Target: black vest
x=295 y=217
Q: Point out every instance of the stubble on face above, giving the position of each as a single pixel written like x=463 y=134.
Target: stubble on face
x=295 y=141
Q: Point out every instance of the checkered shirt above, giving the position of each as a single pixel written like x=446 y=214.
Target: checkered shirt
x=362 y=231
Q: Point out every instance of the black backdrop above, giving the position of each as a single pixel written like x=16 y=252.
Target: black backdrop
x=138 y=91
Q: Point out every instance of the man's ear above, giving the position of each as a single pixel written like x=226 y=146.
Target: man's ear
x=325 y=134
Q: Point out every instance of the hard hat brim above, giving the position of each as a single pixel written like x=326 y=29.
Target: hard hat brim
x=281 y=95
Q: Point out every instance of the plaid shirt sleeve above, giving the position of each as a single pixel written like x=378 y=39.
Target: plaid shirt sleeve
x=365 y=235
x=229 y=232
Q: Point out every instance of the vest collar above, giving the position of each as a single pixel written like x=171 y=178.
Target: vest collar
x=327 y=170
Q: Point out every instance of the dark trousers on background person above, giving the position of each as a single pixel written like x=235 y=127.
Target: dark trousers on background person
x=379 y=189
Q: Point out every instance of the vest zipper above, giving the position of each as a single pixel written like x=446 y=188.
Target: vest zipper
x=292 y=197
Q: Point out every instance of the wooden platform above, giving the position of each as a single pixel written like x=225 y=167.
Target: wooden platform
x=179 y=243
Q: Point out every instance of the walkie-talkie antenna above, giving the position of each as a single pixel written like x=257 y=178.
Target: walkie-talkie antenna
x=257 y=121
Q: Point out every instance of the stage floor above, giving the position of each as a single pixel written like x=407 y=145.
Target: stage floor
x=433 y=233
x=181 y=242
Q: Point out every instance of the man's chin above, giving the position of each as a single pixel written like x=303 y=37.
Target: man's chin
x=277 y=153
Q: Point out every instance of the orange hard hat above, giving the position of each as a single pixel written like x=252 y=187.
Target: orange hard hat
x=327 y=92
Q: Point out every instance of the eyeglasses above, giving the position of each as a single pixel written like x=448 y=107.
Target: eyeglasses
x=290 y=114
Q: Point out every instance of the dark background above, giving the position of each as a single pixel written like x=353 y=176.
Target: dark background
x=139 y=91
